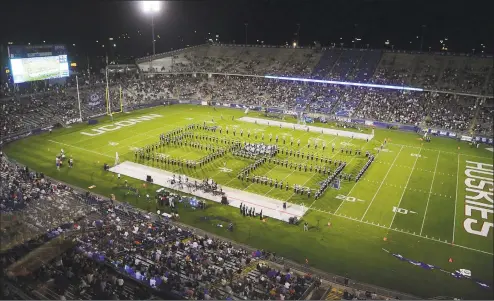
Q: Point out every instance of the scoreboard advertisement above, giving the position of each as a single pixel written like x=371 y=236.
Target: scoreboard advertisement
x=38 y=62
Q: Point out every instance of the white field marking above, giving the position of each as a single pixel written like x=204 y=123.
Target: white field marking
x=87 y=150
x=405 y=188
x=263 y=175
x=435 y=150
x=456 y=198
x=430 y=193
x=289 y=174
x=129 y=130
x=126 y=146
x=179 y=167
x=133 y=136
x=191 y=151
x=144 y=133
x=234 y=165
x=285 y=183
x=225 y=169
x=401 y=231
x=296 y=170
x=379 y=188
x=348 y=194
x=332 y=157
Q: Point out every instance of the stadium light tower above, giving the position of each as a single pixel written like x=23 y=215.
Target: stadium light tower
x=151 y=8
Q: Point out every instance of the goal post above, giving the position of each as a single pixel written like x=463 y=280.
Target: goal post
x=114 y=100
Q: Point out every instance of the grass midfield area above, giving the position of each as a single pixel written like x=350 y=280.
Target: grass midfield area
x=424 y=178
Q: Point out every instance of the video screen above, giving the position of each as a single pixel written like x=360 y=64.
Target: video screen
x=38 y=62
x=39 y=68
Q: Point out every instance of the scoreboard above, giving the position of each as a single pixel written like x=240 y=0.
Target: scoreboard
x=38 y=62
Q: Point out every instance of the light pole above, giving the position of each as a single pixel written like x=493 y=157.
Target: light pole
x=424 y=27
x=298 y=34
x=152 y=33
x=246 y=25
x=152 y=8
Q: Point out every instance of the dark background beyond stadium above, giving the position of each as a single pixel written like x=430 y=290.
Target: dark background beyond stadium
x=466 y=24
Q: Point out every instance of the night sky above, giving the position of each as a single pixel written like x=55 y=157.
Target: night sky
x=466 y=24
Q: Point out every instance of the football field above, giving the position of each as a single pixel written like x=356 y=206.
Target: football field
x=428 y=202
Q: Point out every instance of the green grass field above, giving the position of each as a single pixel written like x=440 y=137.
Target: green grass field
x=413 y=195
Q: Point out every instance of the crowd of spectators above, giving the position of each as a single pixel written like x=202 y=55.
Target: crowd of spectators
x=430 y=71
x=116 y=252
x=33 y=205
x=37 y=104
x=444 y=111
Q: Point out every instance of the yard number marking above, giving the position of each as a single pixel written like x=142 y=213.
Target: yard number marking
x=384 y=150
x=402 y=210
x=348 y=198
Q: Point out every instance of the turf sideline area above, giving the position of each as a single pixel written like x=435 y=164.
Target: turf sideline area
x=308 y=128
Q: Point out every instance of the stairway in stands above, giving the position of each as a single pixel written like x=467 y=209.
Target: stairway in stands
x=334 y=294
x=325 y=64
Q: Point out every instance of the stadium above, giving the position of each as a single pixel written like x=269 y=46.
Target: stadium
x=238 y=171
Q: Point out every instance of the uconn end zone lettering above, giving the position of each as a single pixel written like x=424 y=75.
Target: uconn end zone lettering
x=118 y=125
x=479 y=204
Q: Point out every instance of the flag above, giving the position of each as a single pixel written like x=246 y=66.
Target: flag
x=482 y=284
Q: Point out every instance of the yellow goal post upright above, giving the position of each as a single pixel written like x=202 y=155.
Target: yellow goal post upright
x=120 y=93
x=109 y=101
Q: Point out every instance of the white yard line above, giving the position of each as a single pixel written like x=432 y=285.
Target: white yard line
x=109 y=135
x=139 y=134
x=384 y=179
x=354 y=185
x=285 y=183
x=315 y=200
x=234 y=165
x=405 y=189
x=435 y=150
x=125 y=145
x=304 y=185
x=268 y=170
x=346 y=217
x=318 y=137
x=456 y=197
x=87 y=150
x=430 y=193
x=404 y=232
